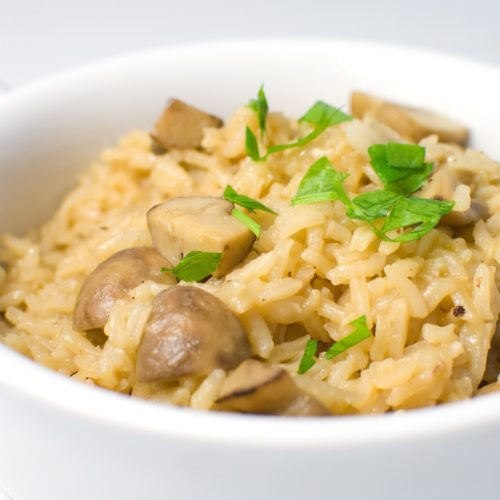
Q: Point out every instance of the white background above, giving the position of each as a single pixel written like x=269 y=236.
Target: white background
x=38 y=37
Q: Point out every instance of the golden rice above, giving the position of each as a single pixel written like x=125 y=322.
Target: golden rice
x=312 y=271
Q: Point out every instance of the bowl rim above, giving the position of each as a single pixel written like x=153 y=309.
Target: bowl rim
x=130 y=57
x=106 y=407
x=59 y=392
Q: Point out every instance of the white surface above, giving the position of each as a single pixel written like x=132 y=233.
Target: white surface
x=40 y=37
x=49 y=423
x=3 y=495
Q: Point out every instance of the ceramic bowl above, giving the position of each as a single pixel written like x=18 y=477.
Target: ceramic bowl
x=60 y=439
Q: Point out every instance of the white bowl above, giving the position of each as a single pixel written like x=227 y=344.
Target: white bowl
x=60 y=439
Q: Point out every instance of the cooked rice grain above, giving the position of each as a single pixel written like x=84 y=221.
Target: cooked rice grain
x=312 y=271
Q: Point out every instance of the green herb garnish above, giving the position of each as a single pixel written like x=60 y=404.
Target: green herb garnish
x=424 y=214
x=245 y=201
x=373 y=205
x=195 y=266
x=308 y=360
x=323 y=183
x=400 y=167
x=324 y=115
x=260 y=107
x=321 y=114
x=248 y=221
x=250 y=204
x=252 y=146
x=318 y=183
x=361 y=333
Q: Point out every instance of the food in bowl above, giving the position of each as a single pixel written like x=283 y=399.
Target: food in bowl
x=320 y=266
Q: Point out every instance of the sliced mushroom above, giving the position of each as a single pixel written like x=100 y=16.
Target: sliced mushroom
x=476 y=211
x=442 y=185
x=181 y=126
x=411 y=123
x=190 y=332
x=256 y=387
x=204 y=223
x=112 y=279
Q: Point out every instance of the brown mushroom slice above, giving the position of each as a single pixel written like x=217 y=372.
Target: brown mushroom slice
x=412 y=123
x=203 y=223
x=190 y=332
x=476 y=211
x=181 y=126
x=441 y=186
x=112 y=279
x=256 y=387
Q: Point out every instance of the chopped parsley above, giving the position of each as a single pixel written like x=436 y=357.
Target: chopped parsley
x=195 y=266
x=317 y=184
x=324 y=115
x=308 y=360
x=250 y=204
x=260 y=107
x=400 y=167
x=248 y=221
x=360 y=333
x=245 y=201
x=320 y=114
x=402 y=170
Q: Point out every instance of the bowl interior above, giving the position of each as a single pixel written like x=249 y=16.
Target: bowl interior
x=50 y=130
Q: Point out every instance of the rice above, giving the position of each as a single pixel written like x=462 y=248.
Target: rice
x=312 y=271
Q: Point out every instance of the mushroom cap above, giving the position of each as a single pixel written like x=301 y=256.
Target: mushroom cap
x=181 y=225
x=412 y=123
x=112 y=279
x=181 y=126
x=442 y=186
x=477 y=210
x=256 y=387
x=190 y=332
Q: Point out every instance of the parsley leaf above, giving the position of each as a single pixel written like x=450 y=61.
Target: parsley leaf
x=325 y=115
x=250 y=204
x=420 y=211
x=308 y=360
x=252 y=146
x=244 y=201
x=373 y=205
x=400 y=167
x=248 y=221
x=195 y=266
x=260 y=107
x=361 y=333
x=319 y=183
x=322 y=183
x=321 y=114
x=405 y=155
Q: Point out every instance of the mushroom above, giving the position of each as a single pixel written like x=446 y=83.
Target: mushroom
x=256 y=387
x=190 y=332
x=203 y=223
x=441 y=186
x=411 y=123
x=477 y=210
x=112 y=279
x=181 y=126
